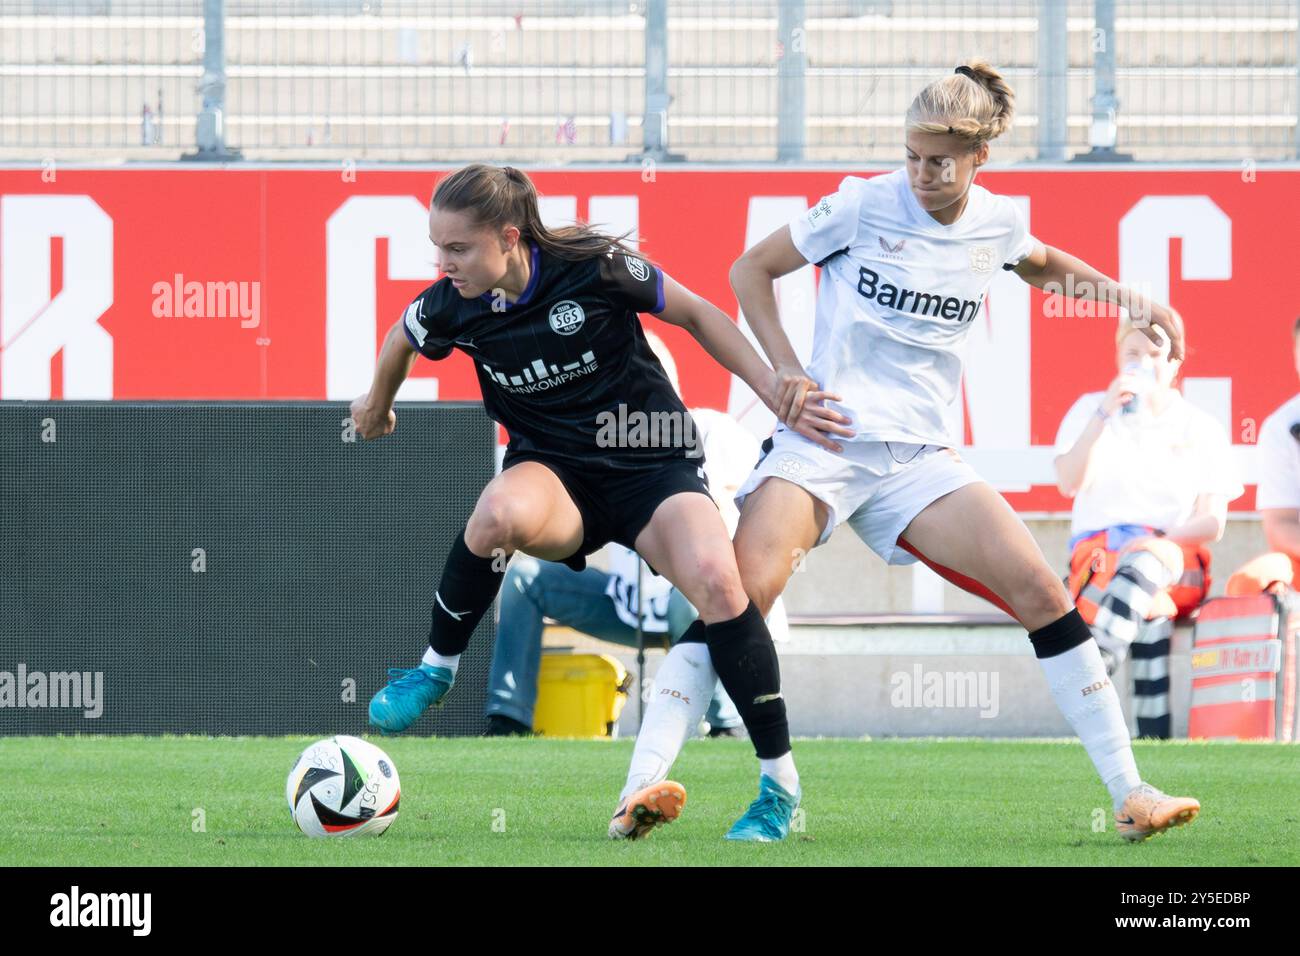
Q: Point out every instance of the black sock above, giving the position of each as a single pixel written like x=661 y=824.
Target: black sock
x=469 y=585
x=695 y=634
x=745 y=659
x=1061 y=635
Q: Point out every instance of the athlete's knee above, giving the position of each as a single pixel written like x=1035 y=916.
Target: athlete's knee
x=1039 y=596
x=762 y=592
x=718 y=576
x=718 y=583
x=498 y=521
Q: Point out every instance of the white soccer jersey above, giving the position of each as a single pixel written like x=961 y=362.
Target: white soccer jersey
x=897 y=296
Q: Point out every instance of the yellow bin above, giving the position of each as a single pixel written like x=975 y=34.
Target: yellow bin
x=580 y=695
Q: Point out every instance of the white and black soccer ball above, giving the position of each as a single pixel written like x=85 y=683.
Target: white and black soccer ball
x=343 y=786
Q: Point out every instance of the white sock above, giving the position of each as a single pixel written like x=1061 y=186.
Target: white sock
x=1087 y=698
x=434 y=659
x=682 y=690
x=781 y=769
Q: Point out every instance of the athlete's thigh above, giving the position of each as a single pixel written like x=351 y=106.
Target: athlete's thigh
x=974 y=532
x=686 y=541
x=780 y=523
x=527 y=508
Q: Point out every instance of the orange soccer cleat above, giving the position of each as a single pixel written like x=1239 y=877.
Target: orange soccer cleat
x=646 y=809
x=1147 y=811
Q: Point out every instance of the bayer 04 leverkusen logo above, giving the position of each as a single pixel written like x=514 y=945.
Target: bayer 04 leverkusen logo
x=566 y=317
x=981 y=258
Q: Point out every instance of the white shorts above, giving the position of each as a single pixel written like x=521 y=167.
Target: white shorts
x=877 y=487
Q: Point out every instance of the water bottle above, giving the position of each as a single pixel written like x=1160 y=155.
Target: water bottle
x=1144 y=380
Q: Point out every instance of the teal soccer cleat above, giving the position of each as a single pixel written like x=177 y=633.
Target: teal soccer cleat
x=408 y=694
x=768 y=818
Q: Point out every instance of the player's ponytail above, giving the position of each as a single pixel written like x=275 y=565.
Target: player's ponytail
x=973 y=102
x=497 y=196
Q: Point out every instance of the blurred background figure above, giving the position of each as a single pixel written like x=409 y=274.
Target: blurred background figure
x=1151 y=476
x=1277 y=498
x=148 y=129
x=603 y=604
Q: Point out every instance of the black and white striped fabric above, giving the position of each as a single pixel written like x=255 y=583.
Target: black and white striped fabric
x=1122 y=628
x=1150 y=673
x=1126 y=603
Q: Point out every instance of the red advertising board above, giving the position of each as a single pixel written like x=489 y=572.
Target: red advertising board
x=300 y=273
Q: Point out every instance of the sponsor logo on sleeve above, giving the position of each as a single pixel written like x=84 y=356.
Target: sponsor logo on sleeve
x=640 y=271
x=418 y=331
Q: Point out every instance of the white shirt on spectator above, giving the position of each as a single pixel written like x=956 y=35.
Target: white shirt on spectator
x=1279 y=460
x=1145 y=468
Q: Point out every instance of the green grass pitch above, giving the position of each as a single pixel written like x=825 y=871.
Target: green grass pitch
x=93 y=801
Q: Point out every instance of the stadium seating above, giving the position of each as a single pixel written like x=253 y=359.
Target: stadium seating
x=385 y=85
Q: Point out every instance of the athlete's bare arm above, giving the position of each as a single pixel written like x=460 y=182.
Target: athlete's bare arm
x=752 y=278
x=1052 y=270
x=373 y=412
x=714 y=330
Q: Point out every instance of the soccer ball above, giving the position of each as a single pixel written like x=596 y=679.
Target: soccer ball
x=343 y=786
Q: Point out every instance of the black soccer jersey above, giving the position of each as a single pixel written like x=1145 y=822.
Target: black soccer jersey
x=566 y=368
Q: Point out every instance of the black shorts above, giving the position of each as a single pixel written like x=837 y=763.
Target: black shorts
x=616 y=506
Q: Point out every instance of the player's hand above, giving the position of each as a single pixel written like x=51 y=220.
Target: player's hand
x=818 y=423
x=792 y=388
x=1119 y=394
x=1166 y=318
x=372 y=422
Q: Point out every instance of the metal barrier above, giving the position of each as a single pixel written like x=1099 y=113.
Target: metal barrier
x=225 y=567
x=601 y=80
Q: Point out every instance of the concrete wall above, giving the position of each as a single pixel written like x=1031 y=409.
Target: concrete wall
x=855 y=681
